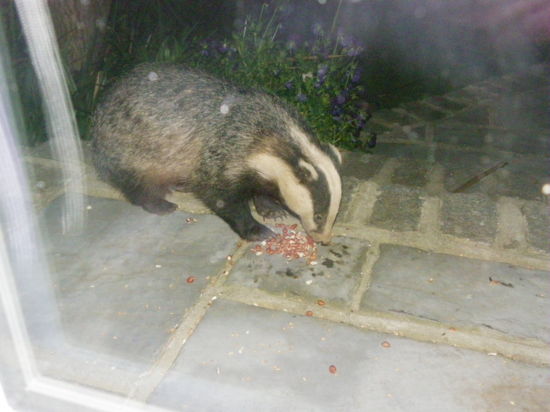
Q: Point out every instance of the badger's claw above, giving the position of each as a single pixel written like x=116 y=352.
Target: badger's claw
x=258 y=233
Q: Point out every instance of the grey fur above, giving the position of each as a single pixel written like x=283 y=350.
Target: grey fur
x=165 y=127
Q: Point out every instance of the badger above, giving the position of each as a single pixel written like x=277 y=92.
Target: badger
x=165 y=127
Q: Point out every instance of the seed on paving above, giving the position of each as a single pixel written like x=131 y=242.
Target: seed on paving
x=289 y=243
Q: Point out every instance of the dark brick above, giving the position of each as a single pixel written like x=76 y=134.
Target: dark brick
x=464 y=96
x=471 y=216
x=410 y=172
x=444 y=103
x=397 y=208
x=458 y=133
x=478 y=116
x=521 y=141
x=537 y=215
x=423 y=111
x=361 y=165
x=392 y=117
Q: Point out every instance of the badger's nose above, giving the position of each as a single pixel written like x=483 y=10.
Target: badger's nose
x=322 y=238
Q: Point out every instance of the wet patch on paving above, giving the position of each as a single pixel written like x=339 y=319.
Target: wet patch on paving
x=334 y=277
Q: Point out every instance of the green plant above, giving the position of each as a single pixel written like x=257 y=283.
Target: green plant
x=320 y=76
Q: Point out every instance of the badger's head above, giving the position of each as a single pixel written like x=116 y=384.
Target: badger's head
x=308 y=181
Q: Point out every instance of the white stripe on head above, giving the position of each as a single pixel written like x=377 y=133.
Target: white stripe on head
x=296 y=196
x=325 y=164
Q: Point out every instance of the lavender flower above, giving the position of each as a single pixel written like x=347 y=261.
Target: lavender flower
x=340 y=99
x=353 y=52
x=356 y=75
x=222 y=48
x=301 y=97
x=289 y=85
x=336 y=110
x=317 y=29
x=322 y=72
x=351 y=44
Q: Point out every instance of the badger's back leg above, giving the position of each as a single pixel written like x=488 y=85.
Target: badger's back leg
x=151 y=198
x=235 y=210
x=140 y=192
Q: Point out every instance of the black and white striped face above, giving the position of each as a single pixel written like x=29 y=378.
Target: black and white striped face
x=311 y=187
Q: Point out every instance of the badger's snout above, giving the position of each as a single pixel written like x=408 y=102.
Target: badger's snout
x=323 y=238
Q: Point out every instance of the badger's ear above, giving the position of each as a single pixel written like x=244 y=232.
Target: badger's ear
x=306 y=172
x=334 y=153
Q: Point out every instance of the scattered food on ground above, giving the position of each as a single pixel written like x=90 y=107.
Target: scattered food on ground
x=289 y=243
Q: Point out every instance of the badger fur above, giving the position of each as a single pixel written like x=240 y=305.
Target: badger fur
x=165 y=127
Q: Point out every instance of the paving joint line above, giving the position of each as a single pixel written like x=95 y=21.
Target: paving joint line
x=511 y=224
x=372 y=256
x=362 y=202
x=430 y=216
x=149 y=381
x=468 y=149
x=473 y=338
x=386 y=172
x=445 y=244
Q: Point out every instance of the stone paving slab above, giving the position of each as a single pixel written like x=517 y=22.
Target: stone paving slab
x=122 y=290
x=243 y=358
x=459 y=291
x=397 y=208
x=122 y=285
x=334 y=277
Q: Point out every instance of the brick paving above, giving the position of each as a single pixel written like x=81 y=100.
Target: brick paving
x=455 y=281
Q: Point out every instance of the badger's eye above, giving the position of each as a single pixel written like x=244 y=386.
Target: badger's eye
x=318 y=217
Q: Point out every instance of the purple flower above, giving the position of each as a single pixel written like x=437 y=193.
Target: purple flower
x=317 y=29
x=353 y=52
x=322 y=72
x=289 y=85
x=340 y=99
x=356 y=75
x=301 y=97
x=351 y=44
x=336 y=110
x=222 y=48
x=204 y=52
x=361 y=120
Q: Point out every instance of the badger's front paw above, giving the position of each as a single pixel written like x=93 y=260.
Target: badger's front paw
x=269 y=208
